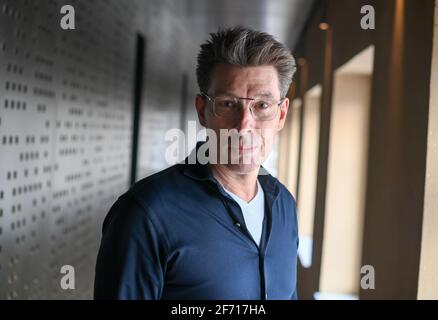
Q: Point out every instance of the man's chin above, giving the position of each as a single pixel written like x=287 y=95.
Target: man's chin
x=244 y=168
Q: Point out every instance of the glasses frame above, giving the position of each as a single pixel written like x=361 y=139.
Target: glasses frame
x=212 y=99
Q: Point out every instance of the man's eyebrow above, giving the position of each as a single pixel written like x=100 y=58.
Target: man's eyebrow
x=265 y=94
x=225 y=93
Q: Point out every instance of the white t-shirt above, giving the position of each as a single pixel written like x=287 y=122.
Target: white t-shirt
x=253 y=212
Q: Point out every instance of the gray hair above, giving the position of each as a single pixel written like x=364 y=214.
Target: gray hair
x=243 y=47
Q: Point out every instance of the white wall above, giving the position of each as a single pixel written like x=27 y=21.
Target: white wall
x=340 y=267
x=428 y=277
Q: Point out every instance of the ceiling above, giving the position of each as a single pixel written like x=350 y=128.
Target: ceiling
x=285 y=19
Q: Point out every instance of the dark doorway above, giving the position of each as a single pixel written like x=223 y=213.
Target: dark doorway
x=139 y=72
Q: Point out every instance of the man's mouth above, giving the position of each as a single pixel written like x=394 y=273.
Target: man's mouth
x=245 y=144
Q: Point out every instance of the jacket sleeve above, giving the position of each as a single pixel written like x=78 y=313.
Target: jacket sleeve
x=131 y=259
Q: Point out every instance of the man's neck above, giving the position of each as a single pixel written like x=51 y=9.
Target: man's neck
x=242 y=185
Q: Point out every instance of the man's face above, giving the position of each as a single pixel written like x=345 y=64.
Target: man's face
x=255 y=137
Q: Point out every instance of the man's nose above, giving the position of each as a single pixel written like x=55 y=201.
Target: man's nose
x=246 y=119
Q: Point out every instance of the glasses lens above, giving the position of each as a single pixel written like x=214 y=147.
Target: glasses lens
x=264 y=109
x=226 y=107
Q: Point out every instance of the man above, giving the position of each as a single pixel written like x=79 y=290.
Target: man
x=221 y=230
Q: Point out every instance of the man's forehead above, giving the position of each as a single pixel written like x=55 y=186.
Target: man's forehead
x=261 y=79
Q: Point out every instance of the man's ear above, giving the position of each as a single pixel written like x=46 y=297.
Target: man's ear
x=283 y=113
x=201 y=106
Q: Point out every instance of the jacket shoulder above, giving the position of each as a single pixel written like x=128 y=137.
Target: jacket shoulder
x=284 y=192
x=155 y=188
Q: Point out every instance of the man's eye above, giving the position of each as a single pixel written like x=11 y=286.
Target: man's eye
x=263 y=104
x=228 y=103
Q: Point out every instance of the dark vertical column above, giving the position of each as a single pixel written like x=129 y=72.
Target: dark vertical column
x=302 y=92
x=138 y=88
x=323 y=155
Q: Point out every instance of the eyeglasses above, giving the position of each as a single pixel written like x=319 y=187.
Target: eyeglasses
x=262 y=109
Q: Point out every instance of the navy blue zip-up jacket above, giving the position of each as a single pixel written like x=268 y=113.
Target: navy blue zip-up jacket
x=178 y=235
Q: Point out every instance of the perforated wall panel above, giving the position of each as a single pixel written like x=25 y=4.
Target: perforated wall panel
x=65 y=134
